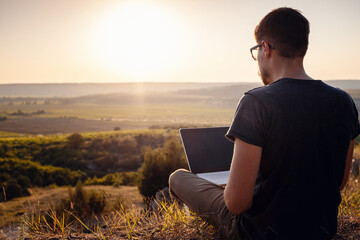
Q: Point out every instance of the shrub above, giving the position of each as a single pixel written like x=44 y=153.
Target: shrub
x=38 y=181
x=75 y=141
x=153 y=174
x=78 y=199
x=4 y=177
x=96 y=202
x=23 y=181
x=14 y=190
x=158 y=165
x=27 y=172
x=85 y=204
x=115 y=179
x=120 y=203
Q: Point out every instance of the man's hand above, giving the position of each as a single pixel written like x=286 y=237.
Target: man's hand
x=238 y=193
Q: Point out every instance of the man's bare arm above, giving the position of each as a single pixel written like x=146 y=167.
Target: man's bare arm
x=348 y=164
x=238 y=194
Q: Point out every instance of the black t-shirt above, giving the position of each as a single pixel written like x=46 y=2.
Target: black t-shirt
x=304 y=128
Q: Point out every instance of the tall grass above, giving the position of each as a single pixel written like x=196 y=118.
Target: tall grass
x=84 y=212
x=171 y=221
x=350 y=205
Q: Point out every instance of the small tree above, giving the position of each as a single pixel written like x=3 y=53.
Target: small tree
x=75 y=141
x=158 y=165
x=153 y=172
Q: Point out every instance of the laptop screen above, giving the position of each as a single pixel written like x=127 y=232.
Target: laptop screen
x=207 y=149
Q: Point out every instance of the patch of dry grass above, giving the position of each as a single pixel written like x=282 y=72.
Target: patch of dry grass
x=130 y=221
x=350 y=205
x=35 y=217
x=171 y=221
x=349 y=209
x=41 y=199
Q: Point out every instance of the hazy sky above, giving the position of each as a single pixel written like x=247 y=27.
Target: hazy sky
x=46 y=41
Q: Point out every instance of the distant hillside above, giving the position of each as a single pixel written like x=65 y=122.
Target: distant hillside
x=82 y=89
x=188 y=88
x=133 y=108
x=237 y=89
x=234 y=90
x=345 y=84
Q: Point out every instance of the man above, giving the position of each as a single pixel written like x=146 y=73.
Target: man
x=293 y=146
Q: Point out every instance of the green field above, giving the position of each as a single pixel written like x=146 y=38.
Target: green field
x=4 y=134
x=97 y=115
x=125 y=109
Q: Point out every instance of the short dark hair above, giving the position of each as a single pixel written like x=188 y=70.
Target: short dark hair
x=287 y=29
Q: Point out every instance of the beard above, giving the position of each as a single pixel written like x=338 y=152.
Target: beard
x=263 y=72
x=264 y=75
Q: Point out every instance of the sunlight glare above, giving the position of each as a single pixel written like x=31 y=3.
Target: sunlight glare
x=138 y=39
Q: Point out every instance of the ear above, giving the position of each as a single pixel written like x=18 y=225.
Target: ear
x=267 y=49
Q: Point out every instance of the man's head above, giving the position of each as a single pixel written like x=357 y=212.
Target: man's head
x=282 y=37
x=286 y=29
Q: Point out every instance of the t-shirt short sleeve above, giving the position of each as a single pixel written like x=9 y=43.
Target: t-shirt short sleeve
x=356 y=128
x=249 y=123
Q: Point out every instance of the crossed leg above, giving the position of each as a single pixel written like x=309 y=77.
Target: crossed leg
x=205 y=199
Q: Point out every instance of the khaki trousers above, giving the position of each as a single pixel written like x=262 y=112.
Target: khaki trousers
x=207 y=200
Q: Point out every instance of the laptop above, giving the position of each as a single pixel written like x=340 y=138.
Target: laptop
x=208 y=152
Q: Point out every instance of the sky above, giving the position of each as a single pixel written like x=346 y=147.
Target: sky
x=49 y=41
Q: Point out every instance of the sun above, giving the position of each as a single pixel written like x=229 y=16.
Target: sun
x=138 y=40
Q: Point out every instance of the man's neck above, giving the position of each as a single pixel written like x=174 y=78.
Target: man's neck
x=290 y=68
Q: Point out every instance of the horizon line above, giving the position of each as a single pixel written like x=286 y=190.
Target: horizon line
x=146 y=82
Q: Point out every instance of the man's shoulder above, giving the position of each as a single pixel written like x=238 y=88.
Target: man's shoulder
x=255 y=90
x=335 y=91
x=289 y=90
x=261 y=92
x=296 y=85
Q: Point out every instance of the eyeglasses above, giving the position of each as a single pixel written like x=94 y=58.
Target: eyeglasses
x=254 y=50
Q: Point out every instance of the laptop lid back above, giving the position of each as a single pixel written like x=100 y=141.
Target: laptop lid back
x=207 y=149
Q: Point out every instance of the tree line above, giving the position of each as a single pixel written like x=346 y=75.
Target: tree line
x=137 y=158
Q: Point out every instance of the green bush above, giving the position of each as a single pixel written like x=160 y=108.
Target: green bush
x=23 y=181
x=30 y=173
x=75 y=141
x=14 y=190
x=96 y=154
x=38 y=181
x=115 y=179
x=158 y=165
x=4 y=177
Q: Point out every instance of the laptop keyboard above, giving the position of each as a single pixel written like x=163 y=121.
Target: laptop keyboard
x=219 y=178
